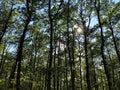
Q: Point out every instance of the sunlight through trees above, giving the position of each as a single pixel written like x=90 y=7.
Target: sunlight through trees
x=59 y=45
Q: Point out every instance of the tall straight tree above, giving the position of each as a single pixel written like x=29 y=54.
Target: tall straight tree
x=97 y=7
x=20 y=48
x=51 y=47
x=114 y=41
x=110 y=25
x=51 y=18
x=68 y=48
x=19 y=51
x=85 y=28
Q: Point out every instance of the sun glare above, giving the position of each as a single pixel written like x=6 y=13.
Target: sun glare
x=79 y=30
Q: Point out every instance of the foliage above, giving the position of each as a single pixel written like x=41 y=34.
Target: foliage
x=73 y=52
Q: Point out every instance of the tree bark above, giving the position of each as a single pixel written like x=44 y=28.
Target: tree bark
x=19 y=53
x=87 y=63
x=114 y=41
x=51 y=47
x=68 y=48
x=86 y=47
x=102 y=47
x=20 y=47
x=2 y=59
x=94 y=70
x=81 y=86
x=66 y=68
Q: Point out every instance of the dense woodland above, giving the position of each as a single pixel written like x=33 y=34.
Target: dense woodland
x=59 y=45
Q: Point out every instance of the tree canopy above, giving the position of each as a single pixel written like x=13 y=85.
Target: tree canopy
x=59 y=45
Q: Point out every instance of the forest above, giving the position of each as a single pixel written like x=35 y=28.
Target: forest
x=59 y=45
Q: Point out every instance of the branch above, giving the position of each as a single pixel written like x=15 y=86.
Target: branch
x=58 y=9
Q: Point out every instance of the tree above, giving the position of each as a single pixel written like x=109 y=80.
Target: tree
x=102 y=45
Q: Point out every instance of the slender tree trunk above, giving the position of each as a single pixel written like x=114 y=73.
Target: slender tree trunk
x=35 y=57
x=66 y=69
x=2 y=59
x=12 y=75
x=112 y=69
x=102 y=80
x=20 y=48
x=85 y=47
x=61 y=82
x=6 y=23
x=19 y=53
x=54 y=75
x=30 y=76
x=87 y=63
x=34 y=62
x=94 y=70
x=58 y=71
x=30 y=83
x=86 y=55
x=102 y=47
x=81 y=88
x=51 y=47
x=73 y=57
x=69 y=52
x=114 y=41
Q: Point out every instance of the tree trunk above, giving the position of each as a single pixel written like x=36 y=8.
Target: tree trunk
x=102 y=47
x=81 y=88
x=114 y=41
x=87 y=63
x=2 y=59
x=85 y=47
x=66 y=69
x=69 y=52
x=73 y=57
x=20 y=48
x=51 y=47
x=58 y=71
x=94 y=70
x=19 y=53
x=54 y=75
x=6 y=23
